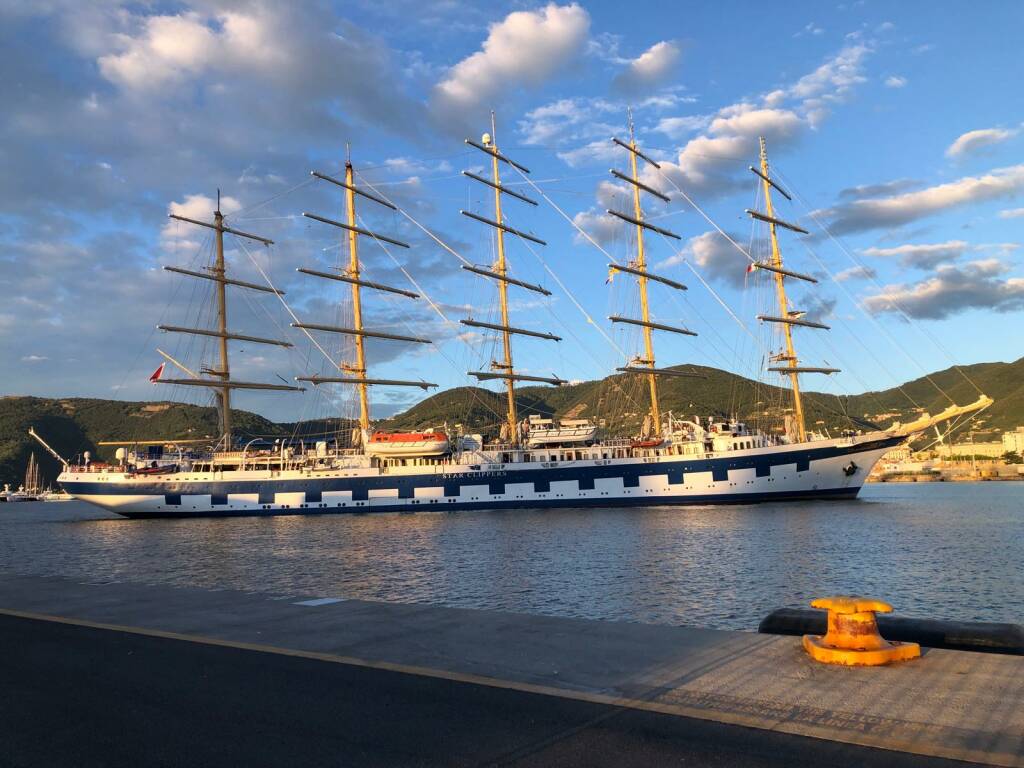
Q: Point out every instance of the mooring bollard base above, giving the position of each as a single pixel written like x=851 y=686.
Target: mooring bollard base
x=890 y=652
x=853 y=638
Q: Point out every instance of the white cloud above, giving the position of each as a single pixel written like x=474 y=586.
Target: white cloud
x=717 y=257
x=707 y=164
x=298 y=92
x=405 y=166
x=810 y=29
x=599 y=225
x=602 y=227
x=583 y=119
x=923 y=256
x=732 y=136
x=817 y=308
x=650 y=69
x=875 y=190
x=34 y=358
x=612 y=195
x=894 y=210
x=756 y=122
x=567 y=120
x=166 y=49
x=930 y=255
x=182 y=236
x=525 y=49
x=305 y=70
x=601 y=150
x=895 y=81
x=835 y=77
x=1011 y=213
x=973 y=141
x=678 y=127
x=856 y=273
x=953 y=289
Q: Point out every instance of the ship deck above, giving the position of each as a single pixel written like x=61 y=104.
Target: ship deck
x=153 y=674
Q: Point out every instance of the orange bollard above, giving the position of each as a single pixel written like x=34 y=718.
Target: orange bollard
x=853 y=638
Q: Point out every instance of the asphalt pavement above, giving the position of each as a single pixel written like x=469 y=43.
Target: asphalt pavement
x=81 y=696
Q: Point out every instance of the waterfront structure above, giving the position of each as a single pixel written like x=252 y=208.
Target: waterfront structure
x=530 y=463
x=1013 y=441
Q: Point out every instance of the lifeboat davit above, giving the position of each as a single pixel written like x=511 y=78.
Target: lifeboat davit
x=407 y=444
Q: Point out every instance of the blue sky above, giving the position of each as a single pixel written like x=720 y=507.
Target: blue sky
x=897 y=126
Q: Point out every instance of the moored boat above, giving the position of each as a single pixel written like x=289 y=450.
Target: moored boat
x=531 y=462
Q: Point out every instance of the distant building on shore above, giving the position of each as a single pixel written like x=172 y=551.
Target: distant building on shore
x=1013 y=442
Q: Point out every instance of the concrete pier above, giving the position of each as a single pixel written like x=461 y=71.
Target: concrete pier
x=416 y=684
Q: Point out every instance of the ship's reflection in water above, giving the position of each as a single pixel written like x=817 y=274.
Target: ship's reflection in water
x=939 y=550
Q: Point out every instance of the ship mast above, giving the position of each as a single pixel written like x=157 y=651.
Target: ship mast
x=222 y=326
x=503 y=290
x=356 y=373
x=503 y=369
x=222 y=381
x=645 y=365
x=357 y=305
x=787 y=317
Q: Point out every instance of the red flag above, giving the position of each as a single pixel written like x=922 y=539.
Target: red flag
x=158 y=373
x=751 y=267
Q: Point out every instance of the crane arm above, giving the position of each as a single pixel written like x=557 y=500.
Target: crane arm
x=49 y=450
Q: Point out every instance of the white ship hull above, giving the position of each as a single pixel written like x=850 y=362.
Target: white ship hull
x=822 y=469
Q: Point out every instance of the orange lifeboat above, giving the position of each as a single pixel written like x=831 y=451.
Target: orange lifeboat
x=407 y=444
x=647 y=443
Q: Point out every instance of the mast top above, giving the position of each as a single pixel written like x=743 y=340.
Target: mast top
x=786 y=318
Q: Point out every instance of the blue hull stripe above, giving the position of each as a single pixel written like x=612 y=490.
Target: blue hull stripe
x=832 y=494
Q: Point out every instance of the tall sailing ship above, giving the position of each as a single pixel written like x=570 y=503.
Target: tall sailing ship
x=534 y=461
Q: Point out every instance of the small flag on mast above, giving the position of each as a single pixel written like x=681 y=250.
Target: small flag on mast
x=751 y=267
x=158 y=373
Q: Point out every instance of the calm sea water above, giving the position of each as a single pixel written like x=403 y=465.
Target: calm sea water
x=942 y=550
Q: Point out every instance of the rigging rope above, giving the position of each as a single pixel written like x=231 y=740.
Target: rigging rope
x=707 y=218
x=408 y=276
x=426 y=231
x=430 y=301
x=824 y=228
x=565 y=216
x=285 y=304
x=749 y=257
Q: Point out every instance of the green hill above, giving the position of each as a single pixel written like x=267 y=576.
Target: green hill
x=75 y=425
x=621 y=400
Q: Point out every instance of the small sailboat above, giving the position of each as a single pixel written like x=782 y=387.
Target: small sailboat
x=32 y=489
